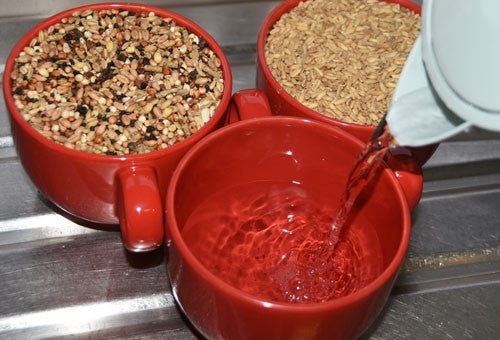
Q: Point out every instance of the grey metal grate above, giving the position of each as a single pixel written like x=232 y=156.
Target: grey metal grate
x=63 y=277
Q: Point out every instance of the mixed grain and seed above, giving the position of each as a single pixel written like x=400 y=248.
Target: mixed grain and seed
x=116 y=82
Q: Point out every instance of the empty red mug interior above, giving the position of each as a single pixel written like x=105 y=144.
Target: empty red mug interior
x=108 y=189
x=279 y=149
x=282 y=103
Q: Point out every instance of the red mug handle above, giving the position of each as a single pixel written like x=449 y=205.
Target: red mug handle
x=408 y=171
x=244 y=104
x=249 y=103
x=140 y=210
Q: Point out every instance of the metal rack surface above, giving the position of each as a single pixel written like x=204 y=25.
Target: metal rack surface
x=60 y=276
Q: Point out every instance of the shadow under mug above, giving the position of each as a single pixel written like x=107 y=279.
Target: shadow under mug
x=108 y=189
x=281 y=149
x=283 y=103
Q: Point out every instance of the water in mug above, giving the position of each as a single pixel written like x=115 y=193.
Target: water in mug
x=276 y=240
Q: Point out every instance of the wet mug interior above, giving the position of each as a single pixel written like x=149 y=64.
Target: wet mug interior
x=285 y=149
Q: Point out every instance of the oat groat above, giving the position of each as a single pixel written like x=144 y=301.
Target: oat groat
x=342 y=58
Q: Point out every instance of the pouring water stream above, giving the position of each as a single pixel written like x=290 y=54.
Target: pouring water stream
x=450 y=82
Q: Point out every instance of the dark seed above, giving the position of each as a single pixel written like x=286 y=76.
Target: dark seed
x=106 y=73
x=202 y=44
x=82 y=110
x=193 y=74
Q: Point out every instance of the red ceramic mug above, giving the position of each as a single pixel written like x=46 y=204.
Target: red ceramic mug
x=108 y=189
x=283 y=103
x=252 y=103
x=277 y=149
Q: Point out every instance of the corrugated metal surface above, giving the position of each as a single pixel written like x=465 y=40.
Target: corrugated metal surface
x=60 y=276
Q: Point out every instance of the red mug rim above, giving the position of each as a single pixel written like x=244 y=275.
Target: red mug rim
x=180 y=20
x=218 y=284
x=285 y=7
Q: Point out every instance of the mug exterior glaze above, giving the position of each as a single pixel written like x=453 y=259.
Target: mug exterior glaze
x=108 y=189
x=283 y=103
x=241 y=153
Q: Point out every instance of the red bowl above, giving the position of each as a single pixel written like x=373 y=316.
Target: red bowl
x=253 y=150
x=107 y=189
x=282 y=103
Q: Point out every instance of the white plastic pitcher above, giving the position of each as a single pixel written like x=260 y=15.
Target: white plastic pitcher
x=451 y=79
